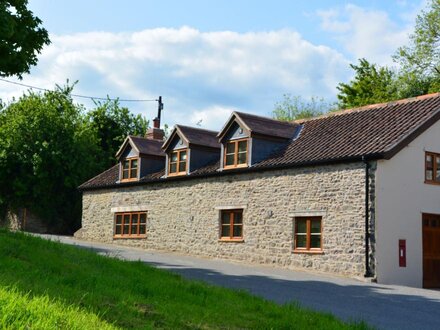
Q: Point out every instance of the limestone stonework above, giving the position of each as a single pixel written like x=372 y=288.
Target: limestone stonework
x=183 y=215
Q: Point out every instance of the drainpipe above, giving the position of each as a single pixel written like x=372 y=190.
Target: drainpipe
x=367 y=218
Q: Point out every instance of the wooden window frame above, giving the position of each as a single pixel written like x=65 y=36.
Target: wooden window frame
x=178 y=162
x=231 y=237
x=235 y=165
x=130 y=235
x=434 y=167
x=308 y=248
x=130 y=162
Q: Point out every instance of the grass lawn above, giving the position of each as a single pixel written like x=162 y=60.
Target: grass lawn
x=47 y=285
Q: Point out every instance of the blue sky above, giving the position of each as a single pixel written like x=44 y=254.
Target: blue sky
x=208 y=58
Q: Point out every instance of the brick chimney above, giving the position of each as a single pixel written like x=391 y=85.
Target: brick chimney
x=155 y=133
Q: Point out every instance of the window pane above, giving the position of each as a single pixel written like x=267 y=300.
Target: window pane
x=173 y=168
x=238 y=217
x=226 y=229
x=118 y=219
x=133 y=173
x=225 y=217
x=230 y=159
x=428 y=175
x=134 y=229
x=242 y=146
x=238 y=230
x=241 y=158
x=126 y=218
x=143 y=218
x=125 y=174
x=134 y=218
x=301 y=241
x=315 y=241
x=437 y=177
x=126 y=228
x=126 y=164
x=429 y=161
x=182 y=156
x=174 y=157
x=182 y=166
x=118 y=230
x=134 y=163
x=230 y=148
x=142 y=229
x=301 y=227
x=316 y=226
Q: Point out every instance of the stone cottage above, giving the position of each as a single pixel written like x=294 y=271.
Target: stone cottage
x=355 y=192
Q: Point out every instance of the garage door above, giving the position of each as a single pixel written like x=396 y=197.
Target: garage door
x=431 y=250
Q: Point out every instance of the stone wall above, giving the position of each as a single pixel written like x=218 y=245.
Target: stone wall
x=183 y=216
x=23 y=219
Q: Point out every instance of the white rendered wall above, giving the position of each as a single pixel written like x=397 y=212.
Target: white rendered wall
x=401 y=198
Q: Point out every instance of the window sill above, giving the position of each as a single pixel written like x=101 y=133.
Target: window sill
x=177 y=174
x=129 y=237
x=308 y=251
x=235 y=167
x=129 y=180
x=231 y=240
x=436 y=183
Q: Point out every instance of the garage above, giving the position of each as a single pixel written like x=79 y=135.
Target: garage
x=431 y=250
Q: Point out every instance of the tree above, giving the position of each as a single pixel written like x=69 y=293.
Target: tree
x=21 y=38
x=47 y=149
x=420 y=60
x=112 y=123
x=371 y=84
x=294 y=107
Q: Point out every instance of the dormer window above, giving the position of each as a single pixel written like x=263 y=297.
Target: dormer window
x=178 y=162
x=236 y=153
x=130 y=169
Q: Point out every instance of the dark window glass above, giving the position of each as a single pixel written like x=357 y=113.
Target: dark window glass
x=118 y=230
x=301 y=241
x=173 y=168
x=237 y=230
x=182 y=166
x=230 y=159
x=226 y=230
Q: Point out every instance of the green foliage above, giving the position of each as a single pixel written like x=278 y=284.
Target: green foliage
x=134 y=295
x=371 y=84
x=112 y=124
x=18 y=311
x=47 y=149
x=21 y=38
x=294 y=107
x=420 y=60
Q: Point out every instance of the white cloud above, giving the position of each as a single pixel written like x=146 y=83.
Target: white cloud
x=364 y=33
x=201 y=75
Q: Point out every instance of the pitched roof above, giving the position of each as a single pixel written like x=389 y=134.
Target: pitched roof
x=142 y=145
x=374 y=132
x=193 y=135
x=261 y=125
x=148 y=146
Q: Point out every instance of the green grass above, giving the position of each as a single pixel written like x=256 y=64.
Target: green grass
x=47 y=285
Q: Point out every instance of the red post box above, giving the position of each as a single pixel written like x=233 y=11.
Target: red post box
x=402 y=252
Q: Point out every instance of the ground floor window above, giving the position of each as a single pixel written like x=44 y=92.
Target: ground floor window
x=130 y=224
x=231 y=226
x=308 y=234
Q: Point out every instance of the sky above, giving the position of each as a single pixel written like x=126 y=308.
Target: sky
x=209 y=58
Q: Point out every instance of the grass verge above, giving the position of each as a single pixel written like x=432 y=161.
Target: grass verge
x=81 y=286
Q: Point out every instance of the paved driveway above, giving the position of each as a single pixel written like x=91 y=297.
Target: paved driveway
x=383 y=306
